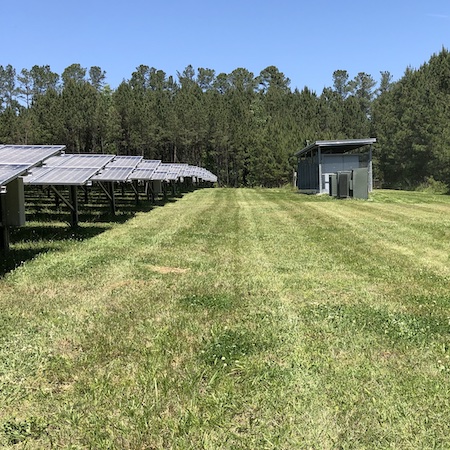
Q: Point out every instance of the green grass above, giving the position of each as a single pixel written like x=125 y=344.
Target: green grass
x=233 y=319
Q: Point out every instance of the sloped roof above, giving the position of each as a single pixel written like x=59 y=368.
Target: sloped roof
x=337 y=146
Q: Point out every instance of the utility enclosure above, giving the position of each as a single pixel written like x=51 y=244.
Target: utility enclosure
x=319 y=161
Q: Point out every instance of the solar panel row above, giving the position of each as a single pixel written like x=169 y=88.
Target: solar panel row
x=79 y=169
x=48 y=165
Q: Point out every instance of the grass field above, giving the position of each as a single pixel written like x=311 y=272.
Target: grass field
x=233 y=319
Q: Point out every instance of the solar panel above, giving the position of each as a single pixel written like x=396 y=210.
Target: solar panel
x=149 y=164
x=81 y=161
x=113 y=174
x=167 y=172
x=34 y=173
x=173 y=173
x=142 y=174
x=189 y=171
x=145 y=169
x=196 y=171
x=73 y=176
x=206 y=175
x=59 y=160
x=200 y=172
x=9 y=172
x=179 y=169
x=125 y=161
x=161 y=173
x=211 y=178
x=27 y=154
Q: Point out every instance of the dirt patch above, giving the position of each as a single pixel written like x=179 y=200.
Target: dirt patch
x=164 y=269
x=67 y=348
x=132 y=283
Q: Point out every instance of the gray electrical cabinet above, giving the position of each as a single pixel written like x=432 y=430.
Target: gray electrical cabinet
x=157 y=187
x=333 y=184
x=15 y=203
x=360 y=183
x=343 y=184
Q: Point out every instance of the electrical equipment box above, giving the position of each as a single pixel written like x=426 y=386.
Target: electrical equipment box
x=156 y=187
x=333 y=184
x=15 y=203
x=361 y=183
x=343 y=184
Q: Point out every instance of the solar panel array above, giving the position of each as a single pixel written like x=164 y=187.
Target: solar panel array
x=48 y=165
x=42 y=167
x=158 y=171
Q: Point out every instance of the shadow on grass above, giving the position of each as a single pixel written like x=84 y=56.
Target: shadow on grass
x=29 y=241
x=48 y=227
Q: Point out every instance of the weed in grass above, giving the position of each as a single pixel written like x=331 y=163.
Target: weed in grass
x=428 y=301
x=228 y=348
x=395 y=327
x=213 y=302
x=15 y=430
x=59 y=371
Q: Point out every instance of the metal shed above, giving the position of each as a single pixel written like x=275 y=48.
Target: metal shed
x=317 y=161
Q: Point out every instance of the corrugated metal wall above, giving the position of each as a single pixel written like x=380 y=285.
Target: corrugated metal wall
x=308 y=173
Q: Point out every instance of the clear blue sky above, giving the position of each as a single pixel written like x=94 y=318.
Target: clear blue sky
x=306 y=40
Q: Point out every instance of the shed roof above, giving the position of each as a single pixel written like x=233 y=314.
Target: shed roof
x=335 y=146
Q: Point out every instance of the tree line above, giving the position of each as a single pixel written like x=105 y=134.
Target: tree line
x=243 y=127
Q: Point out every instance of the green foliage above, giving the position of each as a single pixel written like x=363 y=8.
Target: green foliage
x=411 y=121
x=431 y=186
x=242 y=126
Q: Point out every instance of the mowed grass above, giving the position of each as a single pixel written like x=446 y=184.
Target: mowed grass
x=236 y=319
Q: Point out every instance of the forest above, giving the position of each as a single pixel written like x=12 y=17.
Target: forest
x=243 y=127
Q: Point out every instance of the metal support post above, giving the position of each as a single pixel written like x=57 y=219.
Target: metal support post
x=112 y=198
x=74 y=210
x=4 y=231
